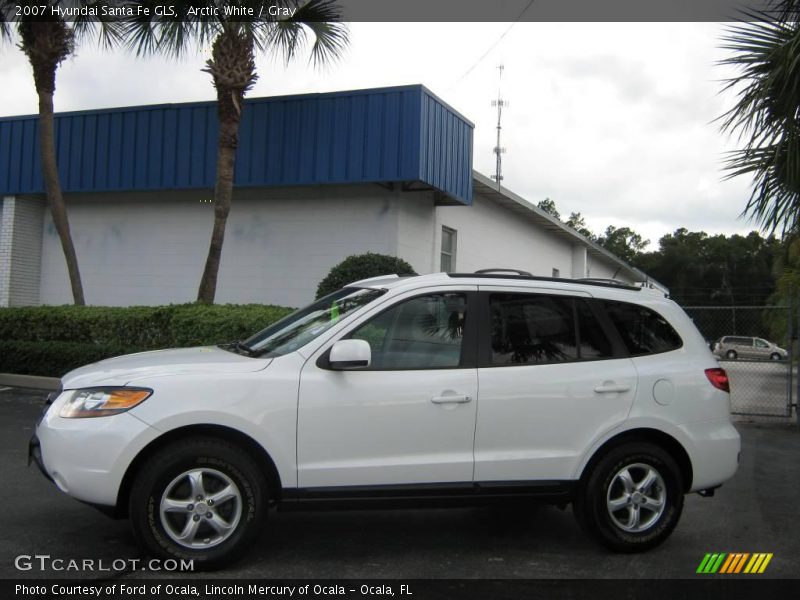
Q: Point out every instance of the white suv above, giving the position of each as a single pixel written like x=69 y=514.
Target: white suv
x=442 y=388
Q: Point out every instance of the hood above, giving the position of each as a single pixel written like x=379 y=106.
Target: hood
x=123 y=370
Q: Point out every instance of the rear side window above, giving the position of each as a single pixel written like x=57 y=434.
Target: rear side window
x=643 y=331
x=593 y=343
x=530 y=329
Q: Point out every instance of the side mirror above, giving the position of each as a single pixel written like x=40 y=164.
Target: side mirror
x=350 y=354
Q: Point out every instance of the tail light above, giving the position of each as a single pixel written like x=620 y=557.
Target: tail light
x=719 y=379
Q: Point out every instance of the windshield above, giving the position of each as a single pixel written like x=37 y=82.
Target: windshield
x=302 y=326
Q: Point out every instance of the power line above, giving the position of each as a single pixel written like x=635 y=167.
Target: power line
x=493 y=46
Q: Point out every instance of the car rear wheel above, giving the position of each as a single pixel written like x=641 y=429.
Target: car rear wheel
x=633 y=498
x=202 y=499
x=731 y=354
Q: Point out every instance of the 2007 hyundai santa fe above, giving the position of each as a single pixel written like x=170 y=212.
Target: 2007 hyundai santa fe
x=456 y=387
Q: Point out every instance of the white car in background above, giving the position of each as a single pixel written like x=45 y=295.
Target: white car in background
x=447 y=387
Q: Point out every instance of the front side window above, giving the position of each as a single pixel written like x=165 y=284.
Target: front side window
x=302 y=326
x=421 y=333
x=761 y=343
x=643 y=331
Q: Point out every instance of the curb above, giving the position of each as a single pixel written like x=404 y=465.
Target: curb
x=34 y=382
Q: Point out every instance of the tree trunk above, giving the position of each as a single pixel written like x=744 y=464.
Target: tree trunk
x=232 y=67
x=55 y=199
x=223 y=194
x=47 y=43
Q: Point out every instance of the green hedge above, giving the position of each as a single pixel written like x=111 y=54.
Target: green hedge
x=51 y=340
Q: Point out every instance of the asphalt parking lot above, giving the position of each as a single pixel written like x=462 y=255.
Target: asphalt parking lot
x=755 y=512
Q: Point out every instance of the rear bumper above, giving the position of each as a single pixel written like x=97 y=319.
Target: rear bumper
x=714 y=451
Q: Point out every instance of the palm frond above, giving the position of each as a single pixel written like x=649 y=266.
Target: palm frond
x=320 y=19
x=6 y=12
x=324 y=19
x=765 y=55
x=171 y=33
x=108 y=28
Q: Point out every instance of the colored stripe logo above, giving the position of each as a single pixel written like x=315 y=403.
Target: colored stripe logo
x=734 y=563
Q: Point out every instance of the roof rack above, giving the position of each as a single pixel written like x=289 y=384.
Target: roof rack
x=514 y=271
x=604 y=280
x=493 y=274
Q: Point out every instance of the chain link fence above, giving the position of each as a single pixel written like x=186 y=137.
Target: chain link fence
x=754 y=345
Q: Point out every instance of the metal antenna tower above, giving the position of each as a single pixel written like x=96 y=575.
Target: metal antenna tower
x=498 y=149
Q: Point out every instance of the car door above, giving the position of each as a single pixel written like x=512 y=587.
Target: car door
x=408 y=418
x=552 y=378
x=761 y=349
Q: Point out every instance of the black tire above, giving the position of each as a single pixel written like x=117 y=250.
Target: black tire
x=775 y=356
x=165 y=476
x=731 y=355
x=591 y=506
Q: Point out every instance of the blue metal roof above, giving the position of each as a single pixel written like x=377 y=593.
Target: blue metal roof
x=400 y=134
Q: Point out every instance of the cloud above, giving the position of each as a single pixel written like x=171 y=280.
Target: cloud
x=612 y=120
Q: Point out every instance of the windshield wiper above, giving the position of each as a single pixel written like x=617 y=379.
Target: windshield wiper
x=244 y=348
x=239 y=347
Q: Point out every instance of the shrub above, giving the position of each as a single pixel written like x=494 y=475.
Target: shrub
x=51 y=340
x=362 y=266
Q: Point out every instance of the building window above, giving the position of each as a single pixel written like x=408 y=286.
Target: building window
x=448 y=262
x=556 y=273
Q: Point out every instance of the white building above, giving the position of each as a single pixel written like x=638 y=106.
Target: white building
x=319 y=178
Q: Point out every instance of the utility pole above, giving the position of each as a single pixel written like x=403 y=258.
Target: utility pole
x=498 y=149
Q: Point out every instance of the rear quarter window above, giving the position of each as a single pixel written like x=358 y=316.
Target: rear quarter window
x=643 y=331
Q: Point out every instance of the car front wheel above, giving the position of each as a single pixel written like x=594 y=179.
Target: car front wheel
x=201 y=499
x=775 y=356
x=633 y=498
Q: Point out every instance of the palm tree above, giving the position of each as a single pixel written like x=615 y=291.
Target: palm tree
x=766 y=57
x=234 y=42
x=46 y=41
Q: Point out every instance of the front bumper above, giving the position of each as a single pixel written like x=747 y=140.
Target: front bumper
x=87 y=458
x=35 y=456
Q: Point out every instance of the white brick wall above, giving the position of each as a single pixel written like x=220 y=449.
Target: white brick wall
x=20 y=250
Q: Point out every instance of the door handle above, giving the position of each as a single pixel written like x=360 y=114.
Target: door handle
x=454 y=399
x=611 y=388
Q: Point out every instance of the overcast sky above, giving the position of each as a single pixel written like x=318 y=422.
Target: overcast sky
x=611 y=120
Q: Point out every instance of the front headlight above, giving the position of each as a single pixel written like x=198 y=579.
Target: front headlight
x=102 y=401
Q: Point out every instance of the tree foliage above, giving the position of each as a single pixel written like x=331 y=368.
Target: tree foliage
x=578 y=223
x=765 y=54
x=549 y=207
x=704 y=270
x=624 y=242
